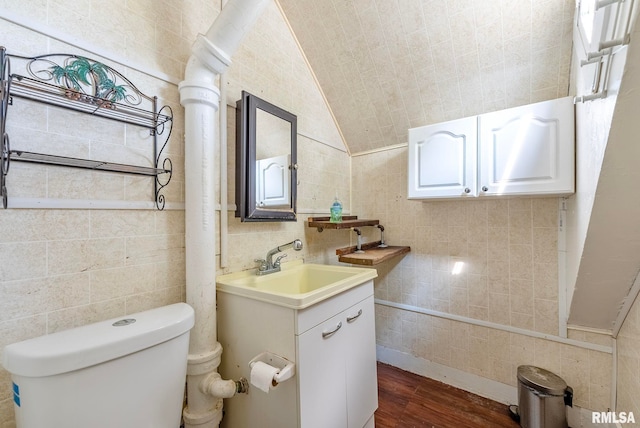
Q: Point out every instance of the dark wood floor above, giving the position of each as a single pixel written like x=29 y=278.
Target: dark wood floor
x=407 y=400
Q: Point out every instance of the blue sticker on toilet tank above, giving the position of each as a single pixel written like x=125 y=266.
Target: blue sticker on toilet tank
x=16 y=394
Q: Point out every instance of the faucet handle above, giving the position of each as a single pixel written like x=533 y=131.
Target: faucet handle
x=277 y=262
x=263 y=264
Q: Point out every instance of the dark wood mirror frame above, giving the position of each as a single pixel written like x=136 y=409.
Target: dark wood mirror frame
x=246 y=139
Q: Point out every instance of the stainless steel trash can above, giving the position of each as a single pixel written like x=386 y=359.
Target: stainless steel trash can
x=542 y=397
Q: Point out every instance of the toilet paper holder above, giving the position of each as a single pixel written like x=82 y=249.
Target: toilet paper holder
x=286 y=369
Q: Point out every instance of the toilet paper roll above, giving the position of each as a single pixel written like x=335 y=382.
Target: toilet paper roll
x=262 y=375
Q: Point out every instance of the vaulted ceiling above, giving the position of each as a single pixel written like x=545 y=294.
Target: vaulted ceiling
x=389 y=65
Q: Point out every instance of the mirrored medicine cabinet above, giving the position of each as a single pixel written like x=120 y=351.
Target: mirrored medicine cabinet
x=265 y=161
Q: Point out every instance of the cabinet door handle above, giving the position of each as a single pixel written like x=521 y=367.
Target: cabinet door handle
x=354 y=317
x=485 y=188
x=326 y=334
x=467 y=190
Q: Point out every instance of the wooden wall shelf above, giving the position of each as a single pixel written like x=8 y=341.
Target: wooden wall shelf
x=348 y=221
x=372 y=254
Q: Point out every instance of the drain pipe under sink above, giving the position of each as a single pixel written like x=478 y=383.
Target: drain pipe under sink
x=211 y=56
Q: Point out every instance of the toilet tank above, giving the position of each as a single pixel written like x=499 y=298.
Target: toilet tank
x=127 y=372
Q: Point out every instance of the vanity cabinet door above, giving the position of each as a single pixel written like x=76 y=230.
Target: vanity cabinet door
x=442 y=159
x=361 y=367
x=528 y=150
x=321 y=375
x=337 y=370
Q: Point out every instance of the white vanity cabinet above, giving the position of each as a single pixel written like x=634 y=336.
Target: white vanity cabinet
x=335 y=381
x=337 y=372
x=527 y=150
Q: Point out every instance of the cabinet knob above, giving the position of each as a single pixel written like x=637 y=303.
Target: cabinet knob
x=467 y=190
x=485 y=188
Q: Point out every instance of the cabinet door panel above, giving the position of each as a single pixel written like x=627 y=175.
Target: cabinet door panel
x=271 y=181
x=321 y=375
x=442 y=159
x=528 y=149
x=362 y=383
x=524 y=150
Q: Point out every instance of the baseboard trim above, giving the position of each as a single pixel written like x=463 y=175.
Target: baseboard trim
x=491 y=389
x=484 y=387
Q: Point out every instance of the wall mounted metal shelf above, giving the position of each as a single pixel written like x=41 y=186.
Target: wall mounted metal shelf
x=35 y=90
x=87 y=86
x=18 y=155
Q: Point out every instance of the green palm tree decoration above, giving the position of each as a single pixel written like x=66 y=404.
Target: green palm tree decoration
x=112 y=92
x=66 y=76
x=94 y=74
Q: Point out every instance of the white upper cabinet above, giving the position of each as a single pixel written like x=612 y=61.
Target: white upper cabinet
x=526 y=150
x=442 y=159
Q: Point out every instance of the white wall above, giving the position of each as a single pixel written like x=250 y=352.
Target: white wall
x=593 y=124
x=605 y=254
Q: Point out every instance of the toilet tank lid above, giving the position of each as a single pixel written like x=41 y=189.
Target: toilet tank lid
x=97 y=343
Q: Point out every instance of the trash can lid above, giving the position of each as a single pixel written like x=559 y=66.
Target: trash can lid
x=541 y=380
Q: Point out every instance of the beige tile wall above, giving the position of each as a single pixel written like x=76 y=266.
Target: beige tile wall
x=251 y=240
x=65 y=268
x=509 y=252
x=316 y=187
x=629 y=363
x=389 y=66
x=495 y=354
x=508 y=248
x=270 y=65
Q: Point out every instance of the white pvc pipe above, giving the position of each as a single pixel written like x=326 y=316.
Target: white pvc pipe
x=224 y=235
x=233 y=23
x=215 y=386
x=199 y=96
x=223 y=38
x=201 y=99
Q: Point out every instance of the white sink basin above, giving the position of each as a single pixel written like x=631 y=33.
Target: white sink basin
x=297 y=285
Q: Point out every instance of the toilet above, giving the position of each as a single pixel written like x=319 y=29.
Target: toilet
x=127 y=372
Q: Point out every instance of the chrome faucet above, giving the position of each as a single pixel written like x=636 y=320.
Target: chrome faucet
x=268 y=266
